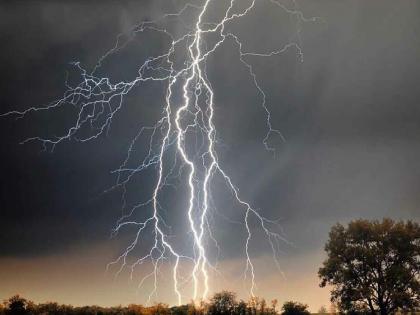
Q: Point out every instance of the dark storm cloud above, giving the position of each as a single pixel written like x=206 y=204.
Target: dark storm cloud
x=349 y=114
x=350 y=117
x=51 y=200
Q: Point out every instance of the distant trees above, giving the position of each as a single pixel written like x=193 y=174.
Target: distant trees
x=294 y=308
x=373 y=266
x=322 y=310
x=223 y=303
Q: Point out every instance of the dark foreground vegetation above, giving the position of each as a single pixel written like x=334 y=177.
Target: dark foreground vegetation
x=222 y=303
x=372 y=267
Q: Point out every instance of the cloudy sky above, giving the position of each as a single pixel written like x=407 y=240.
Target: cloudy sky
x=349 y=115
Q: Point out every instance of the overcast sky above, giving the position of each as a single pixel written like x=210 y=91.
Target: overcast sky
x=349 y=114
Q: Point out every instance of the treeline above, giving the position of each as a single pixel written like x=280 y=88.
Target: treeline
x=223 y=303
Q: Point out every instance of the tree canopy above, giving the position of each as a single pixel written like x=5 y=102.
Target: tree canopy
x=294 y=308
x=373 y=266
x=221 y=303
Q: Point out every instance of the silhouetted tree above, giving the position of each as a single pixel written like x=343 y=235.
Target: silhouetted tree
x=273 y=306
x=322 y=310
x=158 y=309
x=242 y=308
x=294 y=308
x=373 y=266
x=179 y=310
x=253 y=305
x=135 y=309
x=16 y=305
x=222 y=303
x=196 y=309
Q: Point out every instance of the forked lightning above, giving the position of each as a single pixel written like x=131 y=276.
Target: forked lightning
x=189 y=109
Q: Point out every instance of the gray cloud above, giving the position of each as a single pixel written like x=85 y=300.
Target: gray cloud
x=349 y=114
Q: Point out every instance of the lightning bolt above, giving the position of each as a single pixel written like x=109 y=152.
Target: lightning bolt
x=98 y=101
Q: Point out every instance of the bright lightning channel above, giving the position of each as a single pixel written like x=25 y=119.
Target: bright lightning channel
x=99 y=100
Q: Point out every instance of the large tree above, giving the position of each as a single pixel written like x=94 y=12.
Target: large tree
x=373 y=266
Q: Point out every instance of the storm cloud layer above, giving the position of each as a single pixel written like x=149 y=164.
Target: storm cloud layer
x=349 y=114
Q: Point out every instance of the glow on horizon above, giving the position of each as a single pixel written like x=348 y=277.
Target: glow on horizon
x=74 y=278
